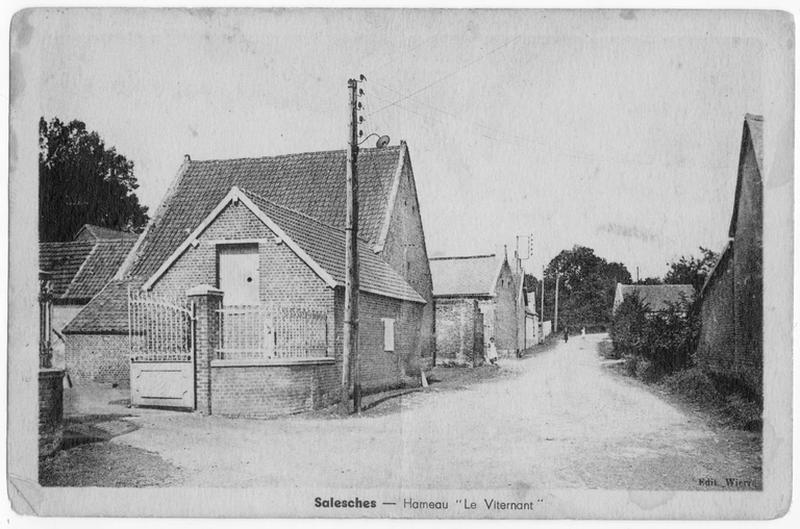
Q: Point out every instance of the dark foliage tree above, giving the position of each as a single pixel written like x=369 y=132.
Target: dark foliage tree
x=691 y=270
x=586 y=288
x=81 y=181
x=650 y=281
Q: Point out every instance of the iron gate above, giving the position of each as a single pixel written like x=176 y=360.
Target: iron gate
x=162 y=359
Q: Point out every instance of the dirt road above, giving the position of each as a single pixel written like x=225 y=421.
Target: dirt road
x=560 y=420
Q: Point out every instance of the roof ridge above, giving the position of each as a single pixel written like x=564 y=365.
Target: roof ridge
x=293 y=154
x=479 y=256
x=300 y=213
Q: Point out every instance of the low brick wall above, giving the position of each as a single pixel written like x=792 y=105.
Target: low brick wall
x=51 y=410
x=103 y=358
x=270 y=388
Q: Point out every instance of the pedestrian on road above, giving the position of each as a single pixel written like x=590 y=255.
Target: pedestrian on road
x=583 y=333
x=491 y=355
x=566 y=334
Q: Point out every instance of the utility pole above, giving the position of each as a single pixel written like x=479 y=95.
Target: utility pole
x=555 y=313
x=541 y=316
x=350 y=363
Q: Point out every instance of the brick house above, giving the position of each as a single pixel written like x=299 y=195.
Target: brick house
x=468 y=289
x=78 y=270
x=265 y=237
x=731 y=310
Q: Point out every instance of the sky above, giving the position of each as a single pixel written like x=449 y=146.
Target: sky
x=617 y=130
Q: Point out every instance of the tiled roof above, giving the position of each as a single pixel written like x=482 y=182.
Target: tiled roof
x=655 y=297
x=326 y=246
x=106 y=313
x=99 y=267
x=63 y=260
x=82 y=268
x=310 y=183
x=473 y=275
x=92 y=232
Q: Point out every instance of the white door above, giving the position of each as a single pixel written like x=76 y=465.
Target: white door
x=238 y=274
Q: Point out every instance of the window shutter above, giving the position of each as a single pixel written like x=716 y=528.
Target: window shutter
x=388 y=334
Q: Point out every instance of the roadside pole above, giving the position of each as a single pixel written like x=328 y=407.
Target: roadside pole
x=350 y=363
x=555 y=312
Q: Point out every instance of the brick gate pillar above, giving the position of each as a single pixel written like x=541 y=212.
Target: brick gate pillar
x=207 y=300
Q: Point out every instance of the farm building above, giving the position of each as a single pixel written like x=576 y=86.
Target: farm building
x=477 y=297
x=232 y=300
x=731 y=342
x=77 y=271
x=657 y=298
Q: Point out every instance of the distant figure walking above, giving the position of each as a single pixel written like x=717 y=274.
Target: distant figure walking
x=583 y=333
x=491 y=354
x=566 y=334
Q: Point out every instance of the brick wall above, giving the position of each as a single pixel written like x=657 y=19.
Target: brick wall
x=748 y=288
x=51 y=410
x=731 y=312
x=715 y=349
x=406 y=253
x=260 y=391
x=459 y=332
x=102 y=358
x=284 y=278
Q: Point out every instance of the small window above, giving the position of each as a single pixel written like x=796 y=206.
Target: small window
x=388 y=334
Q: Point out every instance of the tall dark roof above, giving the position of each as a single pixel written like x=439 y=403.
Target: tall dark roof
x=752 y=137
x=471 y=275
x=81 y=268
x=310 y=183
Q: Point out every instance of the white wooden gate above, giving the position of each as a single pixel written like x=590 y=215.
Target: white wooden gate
x=162 y=359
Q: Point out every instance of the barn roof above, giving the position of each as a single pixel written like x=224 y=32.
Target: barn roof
x=107 y=313
x=310 y=183
x=656 y=297
x=752 y=137
x=81 y=268
x=92 y=232
x=472 y=275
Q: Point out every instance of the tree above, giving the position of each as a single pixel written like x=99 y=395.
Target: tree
x=586 y=288
x=650 y=281
x=692 y=270
x=83 y=182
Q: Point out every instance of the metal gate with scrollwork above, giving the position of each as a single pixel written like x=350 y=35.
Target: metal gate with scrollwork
x=162 y=359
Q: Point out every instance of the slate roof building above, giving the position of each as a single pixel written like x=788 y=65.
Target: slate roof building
x=731 y=310
x=467 y=289
x=656 y=297
x=269 y=233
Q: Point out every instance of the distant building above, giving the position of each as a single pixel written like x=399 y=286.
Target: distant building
x=731 y=342
x=78 y=270
x=467 y=289
x=657 y=298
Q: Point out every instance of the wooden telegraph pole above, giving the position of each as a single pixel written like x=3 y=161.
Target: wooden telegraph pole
x=541 y=302
x=350 y=363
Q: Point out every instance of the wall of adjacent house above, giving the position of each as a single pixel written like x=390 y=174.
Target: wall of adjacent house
x=505 y=313
x=715 y=349
x=730 y=342
x=99 y=358
x=381 y=369
x=405 y=252
x=459 y=332
x=748 y=288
